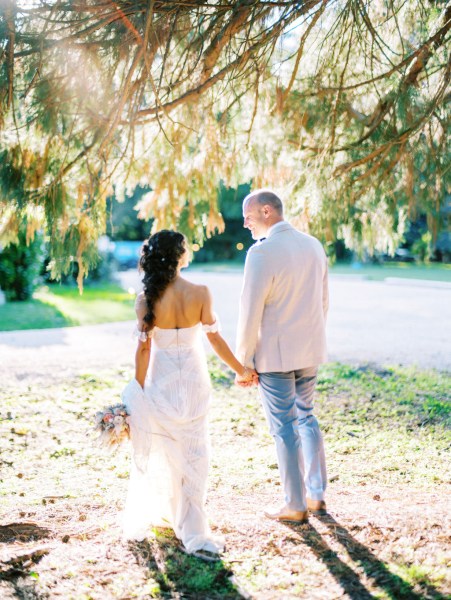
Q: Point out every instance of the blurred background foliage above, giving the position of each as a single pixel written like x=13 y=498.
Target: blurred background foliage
x=230 y=244
x=20 y=266
x=173 y=110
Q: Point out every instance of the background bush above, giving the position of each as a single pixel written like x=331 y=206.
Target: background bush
x=20 y=266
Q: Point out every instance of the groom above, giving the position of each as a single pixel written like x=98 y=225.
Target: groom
x=281 y=332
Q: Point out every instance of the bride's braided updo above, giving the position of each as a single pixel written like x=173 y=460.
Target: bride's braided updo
x=159 y=260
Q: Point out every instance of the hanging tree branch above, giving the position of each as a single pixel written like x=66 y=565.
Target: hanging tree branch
x=121 y=92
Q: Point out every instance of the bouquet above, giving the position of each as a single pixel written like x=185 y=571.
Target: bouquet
x=113 y=423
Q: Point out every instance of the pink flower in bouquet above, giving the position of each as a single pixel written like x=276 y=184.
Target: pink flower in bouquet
x=113 y=424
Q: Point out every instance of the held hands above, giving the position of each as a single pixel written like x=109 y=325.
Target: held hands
x=248 y=378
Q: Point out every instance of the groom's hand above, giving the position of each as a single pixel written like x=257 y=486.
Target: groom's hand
x=247 y=379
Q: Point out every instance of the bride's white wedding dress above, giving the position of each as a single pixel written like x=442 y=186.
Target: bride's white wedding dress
x=168 y=427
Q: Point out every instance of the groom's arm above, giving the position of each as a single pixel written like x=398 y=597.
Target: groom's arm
x=256 y=287
x=325 y=291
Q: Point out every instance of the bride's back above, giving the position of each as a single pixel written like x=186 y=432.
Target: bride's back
x=180 y=306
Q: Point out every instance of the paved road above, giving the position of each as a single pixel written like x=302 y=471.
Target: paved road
x=368 y=321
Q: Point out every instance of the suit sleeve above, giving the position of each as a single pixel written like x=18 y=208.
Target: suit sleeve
x=256 y=288
x=325 y=290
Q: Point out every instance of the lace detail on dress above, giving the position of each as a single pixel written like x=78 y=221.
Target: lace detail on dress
x=140 y=432
x=168 y=430
x=214 y=327
x=142 y=336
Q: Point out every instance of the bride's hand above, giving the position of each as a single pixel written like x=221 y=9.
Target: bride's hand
x=247 y=378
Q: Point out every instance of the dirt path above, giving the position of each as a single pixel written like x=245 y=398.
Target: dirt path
x=48 y=356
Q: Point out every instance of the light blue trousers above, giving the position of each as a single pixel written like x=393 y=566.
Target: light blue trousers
x=287 y=399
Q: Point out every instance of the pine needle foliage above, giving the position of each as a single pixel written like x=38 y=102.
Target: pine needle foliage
x=340 y=106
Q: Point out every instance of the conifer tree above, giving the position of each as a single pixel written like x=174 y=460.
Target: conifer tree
x=341 y=106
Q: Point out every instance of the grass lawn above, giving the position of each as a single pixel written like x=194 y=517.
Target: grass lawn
x=62 y=306
x=387 y=442
x=433 y=271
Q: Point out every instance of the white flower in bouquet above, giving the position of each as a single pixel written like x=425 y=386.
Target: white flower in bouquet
x=113 y=423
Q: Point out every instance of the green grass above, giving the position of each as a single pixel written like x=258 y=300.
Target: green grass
x=434 y=272
x=391 y=425
x=395 y=419
x=387 y=442
x=63 y=306
x=32 y=314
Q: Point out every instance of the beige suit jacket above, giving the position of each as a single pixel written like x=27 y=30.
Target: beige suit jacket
x=284 y=302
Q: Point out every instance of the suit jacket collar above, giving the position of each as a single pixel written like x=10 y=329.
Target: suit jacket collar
x=278 y=227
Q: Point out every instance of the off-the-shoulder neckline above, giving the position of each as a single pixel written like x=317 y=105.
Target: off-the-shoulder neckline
x=177 y=328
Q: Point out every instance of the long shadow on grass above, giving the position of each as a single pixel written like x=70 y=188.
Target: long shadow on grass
x=20 y=556
x=176 y=572
x=22 y=532
x=374 y=569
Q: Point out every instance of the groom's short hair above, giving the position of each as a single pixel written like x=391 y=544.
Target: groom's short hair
x=265 y=196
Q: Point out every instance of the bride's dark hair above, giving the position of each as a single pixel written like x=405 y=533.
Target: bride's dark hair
x=159 y=260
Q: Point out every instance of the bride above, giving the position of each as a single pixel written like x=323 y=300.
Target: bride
x=169 y=397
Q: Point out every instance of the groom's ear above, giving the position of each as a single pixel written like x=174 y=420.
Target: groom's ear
x=266 y=210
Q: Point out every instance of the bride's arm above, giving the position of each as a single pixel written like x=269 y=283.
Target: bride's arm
x=218 y=343
x=142 y=355
x=222 y=349
x=142 y=358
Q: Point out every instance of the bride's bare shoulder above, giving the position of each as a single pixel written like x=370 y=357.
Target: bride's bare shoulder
x=199 y=289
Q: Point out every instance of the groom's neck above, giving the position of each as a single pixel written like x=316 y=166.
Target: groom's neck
x=273 y=221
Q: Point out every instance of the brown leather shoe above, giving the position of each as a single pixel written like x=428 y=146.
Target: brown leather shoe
x=286 y=514
x=317 y=507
